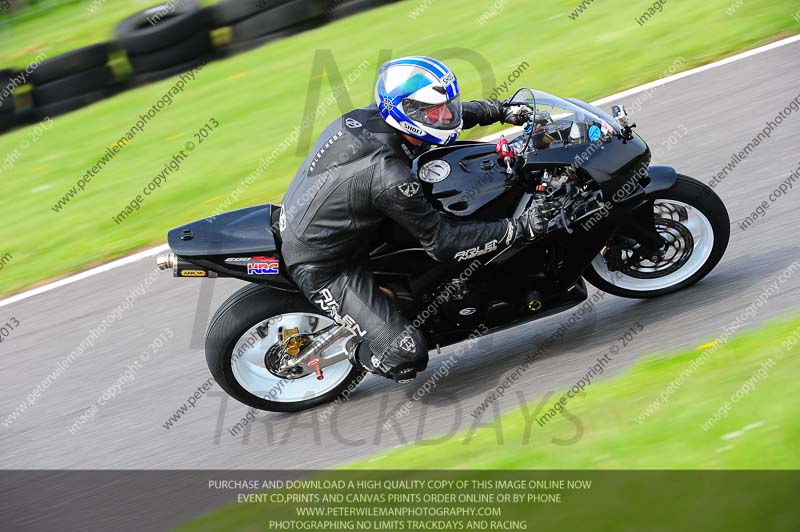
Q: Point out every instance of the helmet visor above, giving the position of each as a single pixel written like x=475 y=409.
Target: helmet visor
x=440 y=115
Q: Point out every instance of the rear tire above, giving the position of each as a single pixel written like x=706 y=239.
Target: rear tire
x=7 y=120
x=192 y=49
x=239 y=314
x=226 y=12
x=714 y=224
x=140 y=78
x=290 y=15
x=40 y=112
x=173 y=23
x=6 y=94
x=70 y=63
x=73 y=86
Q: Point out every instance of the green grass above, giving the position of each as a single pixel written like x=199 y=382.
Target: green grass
x=259 y=97
x=612 y=439
x=670 y=438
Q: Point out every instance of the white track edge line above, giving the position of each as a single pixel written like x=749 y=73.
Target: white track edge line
x=602 y=101
x=83 y=275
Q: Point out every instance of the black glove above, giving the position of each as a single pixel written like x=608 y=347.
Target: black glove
x=491 y=111
x=516 y=115
x=482 y=113
x=530 y=225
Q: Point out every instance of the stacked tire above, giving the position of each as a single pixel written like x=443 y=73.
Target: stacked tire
x=71 y=81
x=254 y=22
x=165 y=40
x=6 y=99
x=344 y=8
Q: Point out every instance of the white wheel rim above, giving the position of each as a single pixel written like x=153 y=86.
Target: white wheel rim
x=249 y=370
x=702 y=233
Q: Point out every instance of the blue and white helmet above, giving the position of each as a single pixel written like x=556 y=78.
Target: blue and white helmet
x=420 y=97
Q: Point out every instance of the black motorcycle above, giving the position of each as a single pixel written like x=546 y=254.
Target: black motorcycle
x=629 y=228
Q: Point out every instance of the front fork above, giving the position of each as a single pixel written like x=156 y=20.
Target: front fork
x=637 y=233
x=641 y=227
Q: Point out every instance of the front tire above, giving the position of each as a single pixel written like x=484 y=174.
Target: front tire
x=246 y=325
x=700 y=236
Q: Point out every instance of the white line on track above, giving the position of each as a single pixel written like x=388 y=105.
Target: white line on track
x=84 y=275
x=602 y=101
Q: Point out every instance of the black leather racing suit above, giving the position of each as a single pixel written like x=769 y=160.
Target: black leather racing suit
x=357 y=175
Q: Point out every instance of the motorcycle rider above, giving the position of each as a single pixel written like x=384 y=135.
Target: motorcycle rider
x=359 y=174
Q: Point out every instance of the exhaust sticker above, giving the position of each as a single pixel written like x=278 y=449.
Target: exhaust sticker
x=194 y=273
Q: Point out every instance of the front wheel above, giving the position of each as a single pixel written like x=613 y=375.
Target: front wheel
x=695 y=225
x=242 y=338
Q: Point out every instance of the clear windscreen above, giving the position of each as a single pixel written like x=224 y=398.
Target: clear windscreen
x=562 y=122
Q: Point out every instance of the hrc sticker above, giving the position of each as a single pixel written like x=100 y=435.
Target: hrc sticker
x=263 y=266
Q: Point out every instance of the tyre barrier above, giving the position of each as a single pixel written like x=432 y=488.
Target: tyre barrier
x=60 y=107
x=72 y=80
x=162 y=41
x=281 y=19
x=6 y=99
x=228 y=12
x=165 y=39
x=70 y=63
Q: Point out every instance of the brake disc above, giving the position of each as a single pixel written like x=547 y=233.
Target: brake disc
x=675 y=254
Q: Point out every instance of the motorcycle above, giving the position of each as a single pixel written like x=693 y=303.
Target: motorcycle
x=627 y=227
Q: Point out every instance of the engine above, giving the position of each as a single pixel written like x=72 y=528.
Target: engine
x=562 y=193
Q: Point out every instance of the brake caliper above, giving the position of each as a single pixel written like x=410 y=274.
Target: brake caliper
x=293 y=341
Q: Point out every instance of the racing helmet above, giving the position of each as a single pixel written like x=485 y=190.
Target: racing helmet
x=420 y=97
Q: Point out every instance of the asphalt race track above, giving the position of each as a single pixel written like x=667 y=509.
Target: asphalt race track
x=711 y=115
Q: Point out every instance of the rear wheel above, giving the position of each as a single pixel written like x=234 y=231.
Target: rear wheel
x=695 y=226
x=241 y=346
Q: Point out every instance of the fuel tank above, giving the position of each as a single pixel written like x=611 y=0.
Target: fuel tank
x=467 y=180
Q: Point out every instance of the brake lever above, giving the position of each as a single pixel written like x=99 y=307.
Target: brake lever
x=560 y=221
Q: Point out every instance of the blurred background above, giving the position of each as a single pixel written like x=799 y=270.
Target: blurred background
x=97 y=97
